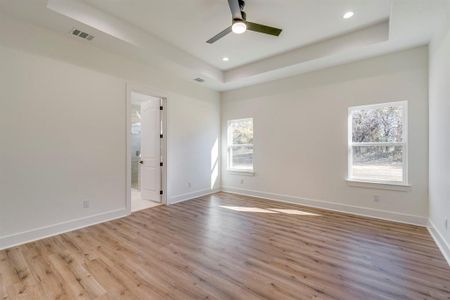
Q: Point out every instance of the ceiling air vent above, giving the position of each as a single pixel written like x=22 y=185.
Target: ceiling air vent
x=198 y=79
x=82 y=34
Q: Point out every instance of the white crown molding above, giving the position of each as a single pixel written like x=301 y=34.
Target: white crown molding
x=406 y=28
x=350 y=41
x=144 y=43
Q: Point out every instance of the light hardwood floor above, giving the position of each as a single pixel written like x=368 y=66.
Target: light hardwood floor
x=226 y=246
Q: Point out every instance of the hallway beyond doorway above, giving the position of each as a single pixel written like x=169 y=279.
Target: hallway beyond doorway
x=137 y=203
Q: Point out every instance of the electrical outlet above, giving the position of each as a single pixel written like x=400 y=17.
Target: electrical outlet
x=86 y=204
x=189 y=184
x=242 y=181
x=446 y=224
x=376 y=198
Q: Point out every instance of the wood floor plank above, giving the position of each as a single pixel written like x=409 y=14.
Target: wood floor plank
x=53 y=285
x=111 y=280
x=226 y=246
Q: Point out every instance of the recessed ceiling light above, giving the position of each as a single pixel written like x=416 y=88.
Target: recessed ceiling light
x=348 y=15
x=225 y=58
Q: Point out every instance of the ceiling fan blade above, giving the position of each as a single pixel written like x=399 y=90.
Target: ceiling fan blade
x=263 y=29
x=219 y=35
x=235 y=9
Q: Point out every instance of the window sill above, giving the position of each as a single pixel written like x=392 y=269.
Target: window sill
x=242 y=173
x=401 y=187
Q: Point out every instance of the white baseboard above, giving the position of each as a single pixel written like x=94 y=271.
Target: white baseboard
x=440 y=241
x=51 y=230
x=192 y=195
x=48 y=231
x=356 y=210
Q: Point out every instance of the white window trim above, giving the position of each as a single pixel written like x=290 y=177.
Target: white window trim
x=229 y=146
x=378 y=185
x=404 y=144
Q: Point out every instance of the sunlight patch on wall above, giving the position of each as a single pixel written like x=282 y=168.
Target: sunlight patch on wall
x=214 y=163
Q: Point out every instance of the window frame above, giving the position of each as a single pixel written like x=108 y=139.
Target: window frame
x=404 y=143
x=230 y=145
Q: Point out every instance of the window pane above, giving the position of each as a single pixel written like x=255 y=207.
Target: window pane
x=384 y=163
x=241 y=157
x=241 y=131
x=382 y=124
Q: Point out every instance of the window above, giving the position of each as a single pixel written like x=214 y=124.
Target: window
x=240 y=145
x=378 y=143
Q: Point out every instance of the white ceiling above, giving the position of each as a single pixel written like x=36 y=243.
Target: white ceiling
x=187 y=24
x=172 y=34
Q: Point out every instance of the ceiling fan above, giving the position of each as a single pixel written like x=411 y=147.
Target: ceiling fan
x=240 y=24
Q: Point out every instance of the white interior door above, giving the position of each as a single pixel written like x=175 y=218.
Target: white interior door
x=151 y=150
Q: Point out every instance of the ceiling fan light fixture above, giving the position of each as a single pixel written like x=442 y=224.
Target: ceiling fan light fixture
x=239 y=27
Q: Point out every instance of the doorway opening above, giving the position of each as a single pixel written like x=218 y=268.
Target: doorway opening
x=146 y=155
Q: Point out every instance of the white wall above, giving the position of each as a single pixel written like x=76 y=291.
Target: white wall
x=63 y=132
x=440 y=138
x=193 y=131
x=300 y=135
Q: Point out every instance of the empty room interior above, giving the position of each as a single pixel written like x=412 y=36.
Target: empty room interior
x=225 y=149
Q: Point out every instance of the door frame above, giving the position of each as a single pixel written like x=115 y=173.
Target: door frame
x=149 y=91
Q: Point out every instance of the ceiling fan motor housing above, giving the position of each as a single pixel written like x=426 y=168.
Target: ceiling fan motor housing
x=244 y=15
